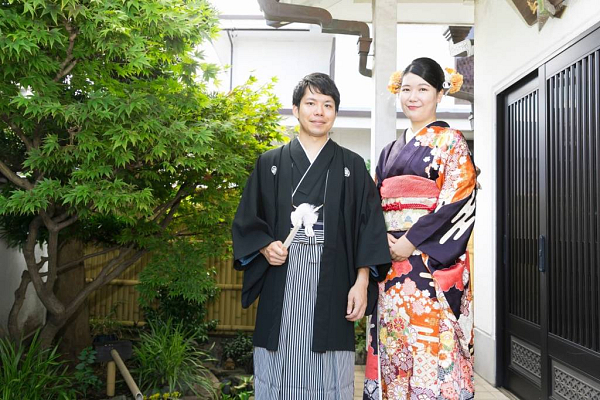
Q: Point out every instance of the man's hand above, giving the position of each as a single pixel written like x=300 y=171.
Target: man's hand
x=275 y=253
x=402 y=249
x=357 y=297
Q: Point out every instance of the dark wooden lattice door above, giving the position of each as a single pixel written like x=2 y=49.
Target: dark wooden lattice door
x=522 y=346
x=551 y=227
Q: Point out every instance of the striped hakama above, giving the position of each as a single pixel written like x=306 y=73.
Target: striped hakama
x=294 y=371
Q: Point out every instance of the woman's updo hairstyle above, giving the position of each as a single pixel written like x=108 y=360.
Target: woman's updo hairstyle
x=427 y=69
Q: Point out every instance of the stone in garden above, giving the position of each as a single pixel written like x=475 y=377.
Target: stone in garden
x=229 y=364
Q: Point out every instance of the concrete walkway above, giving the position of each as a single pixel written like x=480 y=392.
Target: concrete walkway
x=483 y=390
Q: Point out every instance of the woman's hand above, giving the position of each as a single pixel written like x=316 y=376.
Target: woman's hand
x=401 y=249
x=391 y=240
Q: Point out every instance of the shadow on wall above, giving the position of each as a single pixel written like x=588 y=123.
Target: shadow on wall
x=12 y=266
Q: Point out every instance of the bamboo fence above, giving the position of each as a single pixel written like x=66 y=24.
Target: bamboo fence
x=118 y=300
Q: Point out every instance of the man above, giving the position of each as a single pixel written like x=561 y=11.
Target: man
x=313 y=291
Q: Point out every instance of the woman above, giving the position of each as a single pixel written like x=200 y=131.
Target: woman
x=421 y=340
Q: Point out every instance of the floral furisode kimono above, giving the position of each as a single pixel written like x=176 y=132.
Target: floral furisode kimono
x=420 y=341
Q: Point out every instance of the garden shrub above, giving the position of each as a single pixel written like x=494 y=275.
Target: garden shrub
x=240 y=350
x=167 y=357
x=179 y=309
x=360 y=340
x=85 y=378
x=29 y=372
x=177 y=285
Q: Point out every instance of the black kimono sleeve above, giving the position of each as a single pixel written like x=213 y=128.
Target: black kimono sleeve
x=371 y=242
x=251 y=232
x=370 y=237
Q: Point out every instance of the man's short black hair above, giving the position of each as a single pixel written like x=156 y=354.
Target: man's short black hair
x=319 y=83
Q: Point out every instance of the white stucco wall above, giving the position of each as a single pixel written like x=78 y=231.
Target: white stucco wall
x=455 y=12
x=355 y=89
x=268 y=54
x=506 y=50
x=12 y=266
x=291 y=55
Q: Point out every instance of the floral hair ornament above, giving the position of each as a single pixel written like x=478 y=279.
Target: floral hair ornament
x=395 y=82
x=453 y=82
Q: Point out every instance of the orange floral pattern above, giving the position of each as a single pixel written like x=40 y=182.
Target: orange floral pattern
x=422 y=346
x=421 y=339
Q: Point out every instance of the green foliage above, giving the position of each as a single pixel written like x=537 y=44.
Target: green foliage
x=244 y=390
x=131 y=121
x=243 y=395
x=32 y=373
x=164 y=396
x=84 y=377
x=360 y=337
x=176 y=285
x=167 y=357
x=239 y=349
x=107 y=128
x=107 y=324
x=180 y=309
x=179 y=273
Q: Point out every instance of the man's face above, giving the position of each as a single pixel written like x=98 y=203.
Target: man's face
x=315 y=114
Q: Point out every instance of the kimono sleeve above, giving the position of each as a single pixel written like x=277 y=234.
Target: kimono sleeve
x=371 y=236
x=443 y=235
x=381 y=164
x=250 y=230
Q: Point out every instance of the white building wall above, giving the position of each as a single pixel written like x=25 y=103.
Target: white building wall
x=291 y=55
x=355 y=89
x=280 y=54
x=12 y=266
x=454 y=12
x=506 y=50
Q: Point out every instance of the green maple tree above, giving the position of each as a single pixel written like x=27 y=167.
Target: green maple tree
x=109 y=135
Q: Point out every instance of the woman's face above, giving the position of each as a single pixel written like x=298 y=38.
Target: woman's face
x=419 y=99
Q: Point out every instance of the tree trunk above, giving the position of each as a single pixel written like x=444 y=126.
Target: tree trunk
x=49 y=332
x=14 y=331
x=75 y=333
x=66 y=304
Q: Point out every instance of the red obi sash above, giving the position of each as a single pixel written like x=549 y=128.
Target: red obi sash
x=407 y=198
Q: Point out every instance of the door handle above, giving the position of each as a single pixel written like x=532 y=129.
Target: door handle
x=542 y=253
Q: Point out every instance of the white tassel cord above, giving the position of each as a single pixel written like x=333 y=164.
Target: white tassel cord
x=305 y=214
